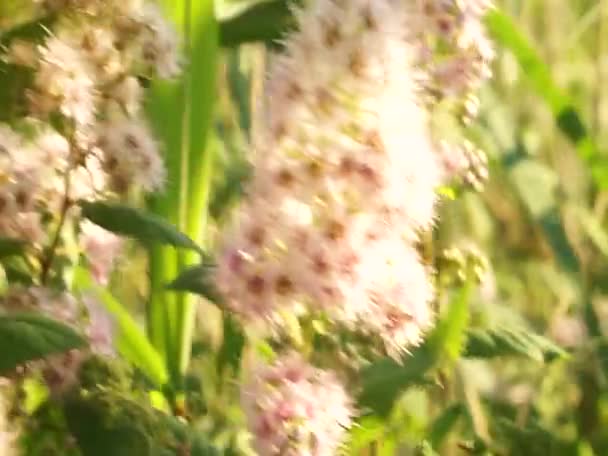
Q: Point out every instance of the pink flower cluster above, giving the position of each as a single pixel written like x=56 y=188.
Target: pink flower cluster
x=344 y=179
x=295 y=409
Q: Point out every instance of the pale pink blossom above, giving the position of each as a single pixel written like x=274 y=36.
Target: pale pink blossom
x=297 y=409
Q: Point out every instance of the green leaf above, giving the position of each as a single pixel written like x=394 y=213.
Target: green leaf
x=231 y=189
x=11 y=247
x=449 y=336
x=593 y=228
x=182 y=111
x=131 y=342
x=536 y=184
x=109 y=423
x=552 y=225
x=443 y=425
x=201 y=447
x=510 y=341
x=366 y=431
x=232 y=347
x=132 y=222
x=197 y=280
x=533 y=440
x=261 y=21
x=28 y=337
x=35 y=30
x=507 y=35
x=385 y=380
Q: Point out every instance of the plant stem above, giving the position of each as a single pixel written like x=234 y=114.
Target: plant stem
x=66 y=204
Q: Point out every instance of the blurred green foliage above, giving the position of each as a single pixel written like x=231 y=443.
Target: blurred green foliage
x=496 y=376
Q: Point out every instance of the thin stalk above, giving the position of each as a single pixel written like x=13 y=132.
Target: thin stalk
x=48 y=259
x=201 y=95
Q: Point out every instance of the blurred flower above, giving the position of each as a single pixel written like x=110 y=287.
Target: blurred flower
x=100 y=329
x=464 y=162
x=344 y=176
x=568 y=331
x=130 y=155
x=101 y=248
x=65 y=82
x=157 y=41
x=454 y=47
x=296 y=409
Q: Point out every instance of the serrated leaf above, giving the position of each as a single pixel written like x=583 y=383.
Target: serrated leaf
x=509 y=341
x=384 y=380
x=449 y=336
x=444 y=423
x=11 y=247
x=130 y=340
x=29 y=337
x=197 y=280
x=143 y=226
x=97 y=435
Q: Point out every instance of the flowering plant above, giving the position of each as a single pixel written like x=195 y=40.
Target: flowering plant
x=322 y=297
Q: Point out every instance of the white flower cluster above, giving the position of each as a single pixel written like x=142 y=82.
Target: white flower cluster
x=344 y=179
x=296 y=409
x=60 y=371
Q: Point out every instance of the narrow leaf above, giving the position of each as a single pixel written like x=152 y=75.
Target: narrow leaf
x=11 y=247
x=28 y=337
x=507 y=35
x=131 y=341
x=232 y=346
x=449 y=336
x=128 y=221
x=197 y=280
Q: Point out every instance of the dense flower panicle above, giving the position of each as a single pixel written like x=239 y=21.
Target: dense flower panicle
x=296 y=409
x=345 y=175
